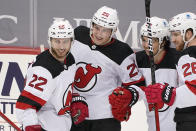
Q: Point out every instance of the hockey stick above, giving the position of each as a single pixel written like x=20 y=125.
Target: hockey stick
x=9 y=121
x=152 y=66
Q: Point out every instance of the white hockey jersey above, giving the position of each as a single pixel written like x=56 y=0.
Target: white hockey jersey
x=185 y=98
x=165 y=72
x=47 y=95
x=100 y=69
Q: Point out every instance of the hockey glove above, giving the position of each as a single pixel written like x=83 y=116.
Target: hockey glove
x=79 y=109
x=122 y=114
x=33 y=128
x=121 y=101
x=160 y=94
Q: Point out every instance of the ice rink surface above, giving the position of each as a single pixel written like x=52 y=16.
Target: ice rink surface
x=138 y=120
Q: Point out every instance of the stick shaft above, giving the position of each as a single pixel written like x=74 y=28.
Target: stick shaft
x=9 y=121
x=152 y=66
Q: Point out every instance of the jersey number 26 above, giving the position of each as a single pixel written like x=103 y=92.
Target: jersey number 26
x=189 y=68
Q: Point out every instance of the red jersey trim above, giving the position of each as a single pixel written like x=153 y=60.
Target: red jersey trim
x=134 y=82
x=191 y=85
x=33 y=97
x=23 y=106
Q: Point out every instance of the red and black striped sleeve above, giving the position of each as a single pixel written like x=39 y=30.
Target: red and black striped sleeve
x=27 y=100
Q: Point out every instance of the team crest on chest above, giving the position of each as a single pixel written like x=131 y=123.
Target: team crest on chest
x=86 y=76
x=66 y=101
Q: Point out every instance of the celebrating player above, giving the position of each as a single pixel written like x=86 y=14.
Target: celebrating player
x=105 y=73
x=183 y=35
x=44 y=104
x=165 y=59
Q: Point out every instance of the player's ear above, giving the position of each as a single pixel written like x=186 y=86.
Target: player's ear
x=163 y=43
x=188 y=34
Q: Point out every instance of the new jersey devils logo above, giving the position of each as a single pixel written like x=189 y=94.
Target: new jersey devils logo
x=66 y=101
x=86 y=76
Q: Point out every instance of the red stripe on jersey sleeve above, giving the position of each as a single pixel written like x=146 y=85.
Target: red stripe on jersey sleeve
x=23 y=106
x=33 y=97
x=134 y=82
x=191 y=85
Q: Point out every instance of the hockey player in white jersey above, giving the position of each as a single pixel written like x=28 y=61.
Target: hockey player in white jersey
x=105 y=73
x=183 y=35
x=44 y=104
x=165 y=59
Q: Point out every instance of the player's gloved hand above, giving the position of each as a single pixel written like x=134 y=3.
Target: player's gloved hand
x=33 y=128
x=143 y=88
x=79 y=109
x=121 y=114
x=160 y=94
x=121 y=101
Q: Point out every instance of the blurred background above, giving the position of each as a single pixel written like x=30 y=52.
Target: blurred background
x=25 y=22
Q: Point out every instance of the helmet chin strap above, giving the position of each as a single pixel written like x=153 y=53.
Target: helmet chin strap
x=160 y=49
x=112 y=34
x=186 y=42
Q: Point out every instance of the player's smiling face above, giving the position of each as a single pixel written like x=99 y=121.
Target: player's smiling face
x=60 y=47
x=100 y=35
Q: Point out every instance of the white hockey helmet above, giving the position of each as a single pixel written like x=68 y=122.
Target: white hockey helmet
x=106 y=17
x=159 y=28
x=182 y=22
x=60 y=28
